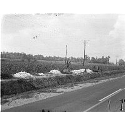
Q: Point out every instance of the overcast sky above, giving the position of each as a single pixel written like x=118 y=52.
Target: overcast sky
x=105 y=32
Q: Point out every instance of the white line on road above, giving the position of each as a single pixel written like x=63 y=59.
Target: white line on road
x=92 y=107
x=112 y=94
x=104 y=99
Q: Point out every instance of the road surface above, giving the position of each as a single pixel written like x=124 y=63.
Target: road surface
x=102 y=97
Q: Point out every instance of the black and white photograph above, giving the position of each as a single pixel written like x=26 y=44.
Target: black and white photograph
x=63 y=62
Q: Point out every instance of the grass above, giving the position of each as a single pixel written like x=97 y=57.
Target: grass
x=12 y=67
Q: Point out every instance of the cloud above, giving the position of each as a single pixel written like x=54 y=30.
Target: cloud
x=119 y=28
x=54 y=32
x=118 y=34
x=1 y=17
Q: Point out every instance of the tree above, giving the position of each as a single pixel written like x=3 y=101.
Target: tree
x=121 y=62
x=93 y=60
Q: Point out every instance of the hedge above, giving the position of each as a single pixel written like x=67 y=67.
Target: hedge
x=23 y=85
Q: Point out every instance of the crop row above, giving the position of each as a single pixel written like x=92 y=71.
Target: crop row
x=12 y=67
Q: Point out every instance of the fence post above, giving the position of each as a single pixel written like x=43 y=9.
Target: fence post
x=122 y=101
x=109 y=105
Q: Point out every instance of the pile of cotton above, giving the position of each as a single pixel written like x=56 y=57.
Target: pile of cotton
x=81 y=71
x=89 y=71
x=41 y=74
x=78 y=71
x=55 y=72
x=24 y=75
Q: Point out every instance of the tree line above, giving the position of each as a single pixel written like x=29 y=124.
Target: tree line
x=30 y=57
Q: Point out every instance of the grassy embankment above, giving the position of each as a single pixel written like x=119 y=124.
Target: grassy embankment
x=22 y=85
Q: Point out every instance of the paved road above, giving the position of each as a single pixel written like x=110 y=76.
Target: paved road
x=112 y=104
x=85 y=99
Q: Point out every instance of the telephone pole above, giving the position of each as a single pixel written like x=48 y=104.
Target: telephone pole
x=85 y=41
x=66 y=55
x=117 y=60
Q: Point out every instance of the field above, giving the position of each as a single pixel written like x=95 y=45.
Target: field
x=43 y=66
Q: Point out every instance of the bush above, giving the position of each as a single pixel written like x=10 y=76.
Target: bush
x=6 y=76
x=114 y=72
x=15 y=87
x=23 y=85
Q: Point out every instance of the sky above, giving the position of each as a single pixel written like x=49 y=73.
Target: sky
x=105 y=34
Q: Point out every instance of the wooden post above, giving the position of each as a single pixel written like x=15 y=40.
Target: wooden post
x=84 y=53
x=109 y=105
x=121 y=108
x=66 y=56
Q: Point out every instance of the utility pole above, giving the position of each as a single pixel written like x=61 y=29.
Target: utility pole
x=85 y=41
x=117 y=60
x=66 y=55
x=67 y=62
x=66 y=51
